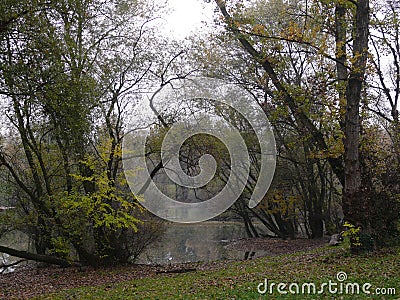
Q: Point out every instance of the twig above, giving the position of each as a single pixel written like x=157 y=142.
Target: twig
x=5 y=267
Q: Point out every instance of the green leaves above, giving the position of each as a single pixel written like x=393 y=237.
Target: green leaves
x=105 y=207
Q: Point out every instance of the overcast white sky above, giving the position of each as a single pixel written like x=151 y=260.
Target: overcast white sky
x=187 y=16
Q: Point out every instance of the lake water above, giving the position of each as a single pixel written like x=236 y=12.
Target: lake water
x=16 y=240
x=195 y=242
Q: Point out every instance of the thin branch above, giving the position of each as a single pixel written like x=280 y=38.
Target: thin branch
x=6 y=266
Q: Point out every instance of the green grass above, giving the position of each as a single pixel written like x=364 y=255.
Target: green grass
x=239 y=280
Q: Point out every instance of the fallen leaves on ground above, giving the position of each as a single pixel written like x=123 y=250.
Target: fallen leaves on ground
x=275 y=246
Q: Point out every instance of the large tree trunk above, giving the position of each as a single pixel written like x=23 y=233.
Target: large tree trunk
x=354 y=205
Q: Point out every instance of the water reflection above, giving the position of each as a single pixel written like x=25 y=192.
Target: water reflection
x=196 y=242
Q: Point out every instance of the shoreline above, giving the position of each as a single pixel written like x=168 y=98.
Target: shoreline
x=37 y=280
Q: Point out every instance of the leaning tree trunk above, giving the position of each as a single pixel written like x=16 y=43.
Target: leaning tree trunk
x=36 y=257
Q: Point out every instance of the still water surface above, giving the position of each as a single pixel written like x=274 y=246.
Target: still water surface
x=180 y=243
x=195 y=242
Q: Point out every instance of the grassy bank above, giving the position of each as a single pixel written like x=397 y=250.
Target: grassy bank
x=239 y=280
